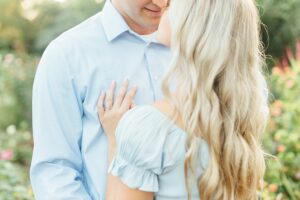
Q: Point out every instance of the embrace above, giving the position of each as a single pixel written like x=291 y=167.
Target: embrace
x=152 y=99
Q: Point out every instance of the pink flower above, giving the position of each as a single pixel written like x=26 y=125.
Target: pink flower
x=289 y=84
x=273 y=187
x=276 y=70
x=285 y=62
x=276 y=112
x=289 y=54
x=281 y=148
x=6 y=155
x=297 y=176
x=278 y=103
x=298 y=50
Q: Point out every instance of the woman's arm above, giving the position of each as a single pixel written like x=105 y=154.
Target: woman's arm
x=109 y=118
x=116 y=190
x=111 y=110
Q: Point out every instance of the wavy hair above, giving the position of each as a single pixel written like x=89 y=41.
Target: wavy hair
x=221 y=93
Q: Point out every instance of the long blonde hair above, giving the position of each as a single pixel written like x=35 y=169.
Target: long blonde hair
x=221 y=93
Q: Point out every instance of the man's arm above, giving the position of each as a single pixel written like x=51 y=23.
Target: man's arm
x=56 y=168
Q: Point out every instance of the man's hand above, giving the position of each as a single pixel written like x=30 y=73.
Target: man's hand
x=110 y=111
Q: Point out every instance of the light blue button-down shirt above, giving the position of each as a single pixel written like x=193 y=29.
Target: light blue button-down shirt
x=70 y=149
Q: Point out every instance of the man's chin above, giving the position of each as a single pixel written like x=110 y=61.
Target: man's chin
x=153 y=25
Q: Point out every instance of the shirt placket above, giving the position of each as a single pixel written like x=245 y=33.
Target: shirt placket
x=154 y=76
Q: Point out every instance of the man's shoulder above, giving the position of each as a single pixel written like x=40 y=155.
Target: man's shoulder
x=76 y=43
x=88 y=31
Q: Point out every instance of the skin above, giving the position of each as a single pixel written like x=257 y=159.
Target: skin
x=114 y=109
x=111 y=114
x=142 y=16
x=109 y=118
x=164 y=30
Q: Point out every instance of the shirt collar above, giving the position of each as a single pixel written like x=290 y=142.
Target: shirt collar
x=113 y=23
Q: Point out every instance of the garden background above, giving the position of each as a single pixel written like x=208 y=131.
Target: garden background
x=27 y=26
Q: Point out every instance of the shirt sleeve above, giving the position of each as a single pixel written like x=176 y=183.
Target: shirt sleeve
x=146 y=148
x=56 y=166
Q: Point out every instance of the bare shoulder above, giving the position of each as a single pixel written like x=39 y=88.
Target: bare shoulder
x=164 y=106
x=169 y=110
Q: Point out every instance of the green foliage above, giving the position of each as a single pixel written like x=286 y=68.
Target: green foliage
x=15 y=154
x=15 y=107
x=16 y=78
x=55 y=18
x=283 y=134
x=281 y=19
x=282 y=25
x=17 y=143
x=20 y=33
x=13 y=26
x=13 y=182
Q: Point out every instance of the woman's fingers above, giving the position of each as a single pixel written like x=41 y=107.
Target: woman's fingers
x=123 y=101
x=121 y=95
x=132 y=105
x=110 y=96
x=126 y=104
x=101 y=103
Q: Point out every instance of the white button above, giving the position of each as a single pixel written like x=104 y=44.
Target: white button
x=156 y=78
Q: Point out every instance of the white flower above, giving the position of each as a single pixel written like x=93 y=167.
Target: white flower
x=11 y=129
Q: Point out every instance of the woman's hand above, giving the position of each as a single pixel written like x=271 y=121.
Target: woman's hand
x=110 y=111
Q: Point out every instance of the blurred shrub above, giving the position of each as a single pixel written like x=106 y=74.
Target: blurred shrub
x=16 y=78
x=283 y=133
x=29 y=26
x=15 y=155
x=14 y=184
x=16 y=145
x=282 y=25
x=20 y=33
x=55 y=18
x=14 y=27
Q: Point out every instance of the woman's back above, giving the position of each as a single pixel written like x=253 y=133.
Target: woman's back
x=151 y=154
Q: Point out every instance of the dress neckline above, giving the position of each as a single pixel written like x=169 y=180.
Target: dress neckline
x=163 y=115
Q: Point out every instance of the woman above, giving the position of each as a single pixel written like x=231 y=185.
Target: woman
x=202 y=139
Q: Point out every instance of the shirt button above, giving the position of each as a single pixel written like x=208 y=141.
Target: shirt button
x=156 y=78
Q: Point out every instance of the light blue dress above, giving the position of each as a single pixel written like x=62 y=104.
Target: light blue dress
x=151 y=153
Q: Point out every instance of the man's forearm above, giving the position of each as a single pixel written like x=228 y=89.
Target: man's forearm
x=54 y=180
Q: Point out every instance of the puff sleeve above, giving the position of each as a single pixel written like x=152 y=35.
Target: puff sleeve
x=146 y=147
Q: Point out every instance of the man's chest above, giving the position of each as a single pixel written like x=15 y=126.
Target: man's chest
x=144 y=69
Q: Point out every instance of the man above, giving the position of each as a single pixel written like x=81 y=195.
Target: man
x=70 y=149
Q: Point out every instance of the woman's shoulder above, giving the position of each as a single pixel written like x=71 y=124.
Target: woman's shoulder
x=140 y=116
x=146 y=133
x=153 y=118
x=147 y=144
